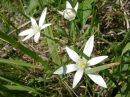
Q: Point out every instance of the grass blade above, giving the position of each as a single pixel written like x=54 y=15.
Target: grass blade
x=52 y=46
x=100 y=68
x=18 y=63
x=17 y=86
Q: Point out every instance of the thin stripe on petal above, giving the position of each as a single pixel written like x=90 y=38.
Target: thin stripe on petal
x=60 y=12
x=27 y=37
x=36 y=37
x=76 y=6
x=45 y=25
x=89 y=46
x=77 y=77
x=42 y=18
x=72 y=54
x=66 y=69
x=96 y=60
x=25 y=32
x=98 y=80
x=68 y=5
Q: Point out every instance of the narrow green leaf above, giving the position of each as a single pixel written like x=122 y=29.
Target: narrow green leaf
x=53 y=47
x=17 y=86
x=100 y=68
x=118 y=95
x=7 y=21
x=126 y=48
x=2 y=78
x=17 y=62
x=86 y=10
x=33 y=4
x=20 y=88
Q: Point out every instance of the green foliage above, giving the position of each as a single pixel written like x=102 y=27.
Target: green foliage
x=126 y=48
x=53 y=48
x=18 y=63
x=31 y=8
x=85 y=10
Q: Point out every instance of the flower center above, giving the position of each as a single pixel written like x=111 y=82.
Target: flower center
x=81 y=64
x=36 y=29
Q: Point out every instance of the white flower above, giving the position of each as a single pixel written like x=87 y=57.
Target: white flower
x=35 y=28
x=82 y=64
x=69 y=13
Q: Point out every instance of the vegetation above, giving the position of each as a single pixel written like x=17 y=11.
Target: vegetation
x=29 y=67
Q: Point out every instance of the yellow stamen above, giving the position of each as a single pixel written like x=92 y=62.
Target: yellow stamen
x=81 y=64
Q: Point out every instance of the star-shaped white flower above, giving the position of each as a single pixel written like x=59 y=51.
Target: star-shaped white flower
x=35 y=28
x=83 y=64
x=69 y=13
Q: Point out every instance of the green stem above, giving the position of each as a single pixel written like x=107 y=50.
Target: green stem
x=72 y=32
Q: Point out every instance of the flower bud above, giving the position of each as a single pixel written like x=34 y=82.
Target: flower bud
x=69 y=14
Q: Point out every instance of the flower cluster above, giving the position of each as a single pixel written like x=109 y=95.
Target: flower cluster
x=69 y=13
x=81 y=63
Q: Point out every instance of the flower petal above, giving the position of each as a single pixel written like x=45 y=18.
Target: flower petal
x=27 y=37
x=44 y=26
x=60 y=12
x=25 y=32
x=33 y=22
x=69 y=14
x=68 y=5
x=72 y=54
x=77 y=77
x=36 y=37
x=76 y=6
x=98 y=80
x=89 y=46
x=42 y=18
x=66 y=69
x=96 y=60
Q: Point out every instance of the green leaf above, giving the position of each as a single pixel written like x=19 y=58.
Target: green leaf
x=17 y=62
x=100 y=68
x=118 y=95
x=33 y=4
x=17 y=86
x=20 y=88
x=7 y=21
x=86 y=7
x=53 y=46
x=126 y=48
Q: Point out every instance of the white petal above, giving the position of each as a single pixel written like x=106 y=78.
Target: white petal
x=34 y=23
x=66 y=69
x=96 y=60
x=98 y=80
x=69 y=14
x=42 y=18
x=25 y=32
x=89 y=46
x=72 y=54
x=27 y=37
x=36 y=37
x=60 y=12
x=68 y=5
x=44 y=26
x=76 y=6
x=77 y=77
